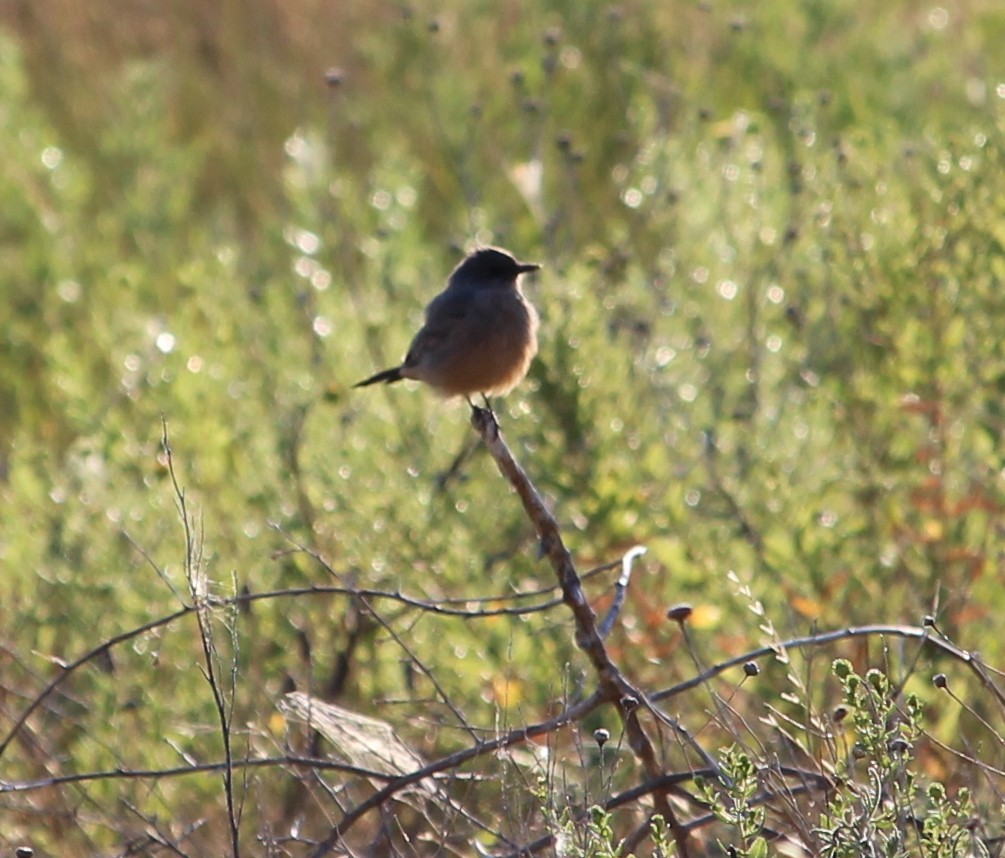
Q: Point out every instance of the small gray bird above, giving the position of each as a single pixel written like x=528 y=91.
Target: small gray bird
x=480 y=333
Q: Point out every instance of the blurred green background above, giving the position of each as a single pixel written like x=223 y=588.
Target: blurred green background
x=773 y=239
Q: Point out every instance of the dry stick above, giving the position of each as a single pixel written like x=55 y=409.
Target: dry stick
x=923 y=635
x=198 y=584
x=620 y=589
x=295 y=761
x=611 y=685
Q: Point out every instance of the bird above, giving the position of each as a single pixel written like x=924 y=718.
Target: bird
x=479 y=335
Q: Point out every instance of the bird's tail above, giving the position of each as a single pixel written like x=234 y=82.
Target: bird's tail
x=388 y=376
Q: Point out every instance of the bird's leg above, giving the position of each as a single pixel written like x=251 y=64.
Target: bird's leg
x=484 y=415
x=478 y=408
x=488 y=409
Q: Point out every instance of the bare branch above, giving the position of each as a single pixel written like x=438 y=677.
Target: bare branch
x=821 y=638
x=613 y=687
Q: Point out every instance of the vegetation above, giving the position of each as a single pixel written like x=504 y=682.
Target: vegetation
x=773 y=239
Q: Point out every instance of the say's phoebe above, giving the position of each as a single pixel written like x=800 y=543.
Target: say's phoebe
x=480 y=334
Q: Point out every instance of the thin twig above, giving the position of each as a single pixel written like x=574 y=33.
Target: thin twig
x=418 y=662
x=821 y=638
x=92 y=654
x=195 y=575
x=621 y=588
x=119 y=773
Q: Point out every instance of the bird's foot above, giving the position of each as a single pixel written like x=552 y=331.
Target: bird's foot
x=484 y=419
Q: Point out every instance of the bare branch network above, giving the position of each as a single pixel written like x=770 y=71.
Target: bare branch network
x=372 y=793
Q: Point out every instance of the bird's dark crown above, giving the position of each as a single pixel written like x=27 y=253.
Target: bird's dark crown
x=491 y=263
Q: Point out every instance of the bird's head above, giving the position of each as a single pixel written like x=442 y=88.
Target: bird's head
x=488 y=267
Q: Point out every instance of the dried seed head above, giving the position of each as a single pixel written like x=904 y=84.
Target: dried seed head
x=680 y=613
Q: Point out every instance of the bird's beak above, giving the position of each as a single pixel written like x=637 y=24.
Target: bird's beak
x=527 y=267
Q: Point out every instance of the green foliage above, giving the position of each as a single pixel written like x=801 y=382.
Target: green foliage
x=594 y=839
x=878 y=802
x=592 y=835
x=879 y=807
x=735 y=805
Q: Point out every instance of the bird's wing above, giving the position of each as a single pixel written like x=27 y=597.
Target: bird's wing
x=443 y=317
